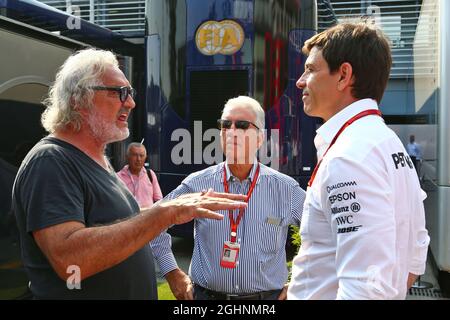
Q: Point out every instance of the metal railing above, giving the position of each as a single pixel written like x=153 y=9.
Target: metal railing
x=123 y=16
x=398 y=20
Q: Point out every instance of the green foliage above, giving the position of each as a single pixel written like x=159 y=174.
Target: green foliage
x=294 y=233
x=164 y=292
x=295 y=236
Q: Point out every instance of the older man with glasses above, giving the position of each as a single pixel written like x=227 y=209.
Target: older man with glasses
x=82 y=233
x=243 y=256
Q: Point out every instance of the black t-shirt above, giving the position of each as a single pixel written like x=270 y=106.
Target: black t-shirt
x=57 y=183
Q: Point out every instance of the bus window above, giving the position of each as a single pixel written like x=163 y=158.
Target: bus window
x=20 y=123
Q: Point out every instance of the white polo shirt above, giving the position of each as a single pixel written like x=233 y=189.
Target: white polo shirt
x=363 y=225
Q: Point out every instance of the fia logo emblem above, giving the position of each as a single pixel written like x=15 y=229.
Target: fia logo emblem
x=224 y=37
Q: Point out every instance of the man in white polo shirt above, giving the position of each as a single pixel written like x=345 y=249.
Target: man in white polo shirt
x=363 y=227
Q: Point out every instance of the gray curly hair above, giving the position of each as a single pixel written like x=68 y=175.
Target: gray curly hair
x=71 y=89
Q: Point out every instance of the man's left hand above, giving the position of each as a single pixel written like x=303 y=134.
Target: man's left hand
x=180 y=284
x=283 y=294
x=411 y=279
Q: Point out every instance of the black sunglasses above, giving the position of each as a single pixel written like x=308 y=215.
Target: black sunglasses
x=123 y=91
x=239 y=124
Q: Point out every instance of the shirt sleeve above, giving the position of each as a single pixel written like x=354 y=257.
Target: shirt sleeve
x=357 y=200
x=51 y=193
x=162 y=245
x=420 y=240
x=157 y=194
x=162 y=250
x=298 y=199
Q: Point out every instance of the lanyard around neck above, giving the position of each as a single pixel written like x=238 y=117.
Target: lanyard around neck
x=135 y=184
x=349 y=122
x=234 y=224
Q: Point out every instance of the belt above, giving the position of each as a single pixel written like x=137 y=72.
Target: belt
x=215 y=295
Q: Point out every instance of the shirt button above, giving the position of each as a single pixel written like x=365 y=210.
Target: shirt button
x=237 y=287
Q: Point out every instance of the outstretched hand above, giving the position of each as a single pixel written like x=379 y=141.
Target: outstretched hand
x=201 y=205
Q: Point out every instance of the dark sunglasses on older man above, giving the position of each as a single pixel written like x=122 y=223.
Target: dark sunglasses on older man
x=239 y=124
x=123 y=91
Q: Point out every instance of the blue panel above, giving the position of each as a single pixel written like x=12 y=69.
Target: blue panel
x=199 y=11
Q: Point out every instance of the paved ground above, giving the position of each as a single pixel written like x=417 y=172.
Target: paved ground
x=427 y=288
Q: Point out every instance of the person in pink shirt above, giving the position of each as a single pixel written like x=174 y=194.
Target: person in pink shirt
x=142 y=184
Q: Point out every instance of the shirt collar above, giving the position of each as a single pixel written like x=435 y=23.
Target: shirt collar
x=330 y=128
x=250 y=176
x=127 y=169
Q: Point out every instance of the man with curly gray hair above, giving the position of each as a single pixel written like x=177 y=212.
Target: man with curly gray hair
x=82 y=233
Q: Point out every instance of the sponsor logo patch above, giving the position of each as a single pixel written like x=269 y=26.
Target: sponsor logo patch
x=344 y=220
x=349 y=229
x=355 y=207
x=339 y=209
x=342 y=197
x=401 y=159
x=341 y=185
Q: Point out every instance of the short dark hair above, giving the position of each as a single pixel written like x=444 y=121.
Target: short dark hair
x=365 y=47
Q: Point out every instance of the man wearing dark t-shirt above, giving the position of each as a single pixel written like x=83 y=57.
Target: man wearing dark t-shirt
x=82 y=234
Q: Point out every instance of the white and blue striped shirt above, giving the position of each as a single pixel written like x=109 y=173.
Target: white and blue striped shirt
x=276 y=202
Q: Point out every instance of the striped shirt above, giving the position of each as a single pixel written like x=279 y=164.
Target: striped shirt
x=276 y=202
